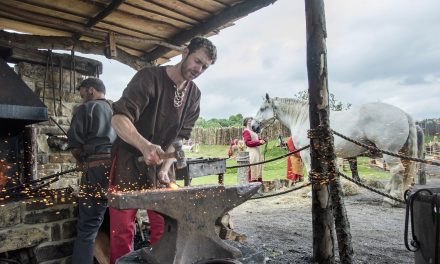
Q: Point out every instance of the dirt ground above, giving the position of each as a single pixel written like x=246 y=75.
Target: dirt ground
x=280 y=227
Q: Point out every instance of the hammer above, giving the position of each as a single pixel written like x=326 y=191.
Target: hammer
x=178 y=154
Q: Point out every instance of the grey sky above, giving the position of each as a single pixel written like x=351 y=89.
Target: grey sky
x=377 y=51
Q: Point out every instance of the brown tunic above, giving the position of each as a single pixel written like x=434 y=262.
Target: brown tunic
x=148 y=103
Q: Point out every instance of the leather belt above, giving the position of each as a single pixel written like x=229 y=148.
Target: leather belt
x=103 y=156
x=83 y=166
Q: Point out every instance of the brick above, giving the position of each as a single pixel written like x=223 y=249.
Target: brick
x=42 y=158
x=21 y=237
x=46 y=216
x=38 y=204
x=10 y=214
x=53 y=251
x=61 y=158
x=49 y=167
x=69 y=229
x=59 y=200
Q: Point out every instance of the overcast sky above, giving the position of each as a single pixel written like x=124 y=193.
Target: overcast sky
x=378 y=50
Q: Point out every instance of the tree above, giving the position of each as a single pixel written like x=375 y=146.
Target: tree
x=335 y=105
x=232 y=121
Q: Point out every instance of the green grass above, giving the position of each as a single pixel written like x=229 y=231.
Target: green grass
x=272 y=170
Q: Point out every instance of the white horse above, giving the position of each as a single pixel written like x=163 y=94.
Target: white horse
x=382 y=125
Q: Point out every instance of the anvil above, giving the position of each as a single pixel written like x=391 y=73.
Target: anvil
x=190 y=214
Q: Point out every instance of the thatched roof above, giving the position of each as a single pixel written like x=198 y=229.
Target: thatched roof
x=134 y=32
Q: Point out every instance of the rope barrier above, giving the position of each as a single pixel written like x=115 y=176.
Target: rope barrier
x=372 y=148
x=284 y=192
x=270 y=160
x=371 y=188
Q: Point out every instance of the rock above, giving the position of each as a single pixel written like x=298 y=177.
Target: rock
x=349 y=188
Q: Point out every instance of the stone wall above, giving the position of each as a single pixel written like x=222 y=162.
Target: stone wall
x=60 y=108
x=45 y=227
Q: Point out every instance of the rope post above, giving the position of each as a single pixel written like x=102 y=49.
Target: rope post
x=242 y=172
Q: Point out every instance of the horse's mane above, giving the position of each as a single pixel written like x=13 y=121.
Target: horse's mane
x=290 y=105
x=296 y=110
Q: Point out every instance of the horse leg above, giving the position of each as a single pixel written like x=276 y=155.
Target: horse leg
x=305 y=156
x=410 y=172
x=397 y=171
x=354 y=168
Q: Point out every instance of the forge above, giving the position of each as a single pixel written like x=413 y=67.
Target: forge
x=190 y=214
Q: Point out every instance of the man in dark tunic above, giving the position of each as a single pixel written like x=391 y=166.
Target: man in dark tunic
x=90 y=139
x=159 y=105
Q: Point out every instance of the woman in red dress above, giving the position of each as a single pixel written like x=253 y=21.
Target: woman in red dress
x=253 y=142
x=295 y=166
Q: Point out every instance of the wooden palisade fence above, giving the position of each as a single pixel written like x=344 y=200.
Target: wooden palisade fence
x=224 y=135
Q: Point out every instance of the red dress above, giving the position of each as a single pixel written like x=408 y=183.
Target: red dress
x=295 y=167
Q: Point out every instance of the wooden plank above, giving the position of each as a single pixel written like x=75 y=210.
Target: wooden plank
x=85 y=9
x=45 y=9
x=209 y=5
x=145 y=5
x=31 y=29
x=141 y=11
x=155 y=28
x=182 y=8
x=211 y=24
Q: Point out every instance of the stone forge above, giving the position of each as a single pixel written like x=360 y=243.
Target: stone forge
x=190 y=214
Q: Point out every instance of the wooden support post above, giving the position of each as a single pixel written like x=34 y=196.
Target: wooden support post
x=326 y=189
x=30 y=153
x=112 y=45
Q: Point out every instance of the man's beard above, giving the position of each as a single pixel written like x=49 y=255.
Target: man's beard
x=184 y=69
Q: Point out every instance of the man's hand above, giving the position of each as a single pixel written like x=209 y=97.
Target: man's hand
x=163 y=177
x=152 y=154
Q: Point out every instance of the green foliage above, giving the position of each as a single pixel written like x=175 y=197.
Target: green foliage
x=335 y=105
x=232 y=121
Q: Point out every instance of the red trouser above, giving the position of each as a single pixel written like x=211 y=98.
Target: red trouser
x=122 y=224
x=122 y=231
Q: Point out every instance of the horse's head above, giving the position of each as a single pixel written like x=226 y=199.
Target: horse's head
x=265 y=115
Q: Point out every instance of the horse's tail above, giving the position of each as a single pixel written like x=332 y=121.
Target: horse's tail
x=410 y=150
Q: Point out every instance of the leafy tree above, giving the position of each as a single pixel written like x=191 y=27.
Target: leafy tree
x=236 y=120
x=335 y=105
x=232 y=121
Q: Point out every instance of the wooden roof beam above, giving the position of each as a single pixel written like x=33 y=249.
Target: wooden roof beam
x=231 y=14
x=107 y=11
x=83 y=65
x=24 y=41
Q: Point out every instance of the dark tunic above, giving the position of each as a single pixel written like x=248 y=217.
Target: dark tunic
x=148 y=103
x=90 y=129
